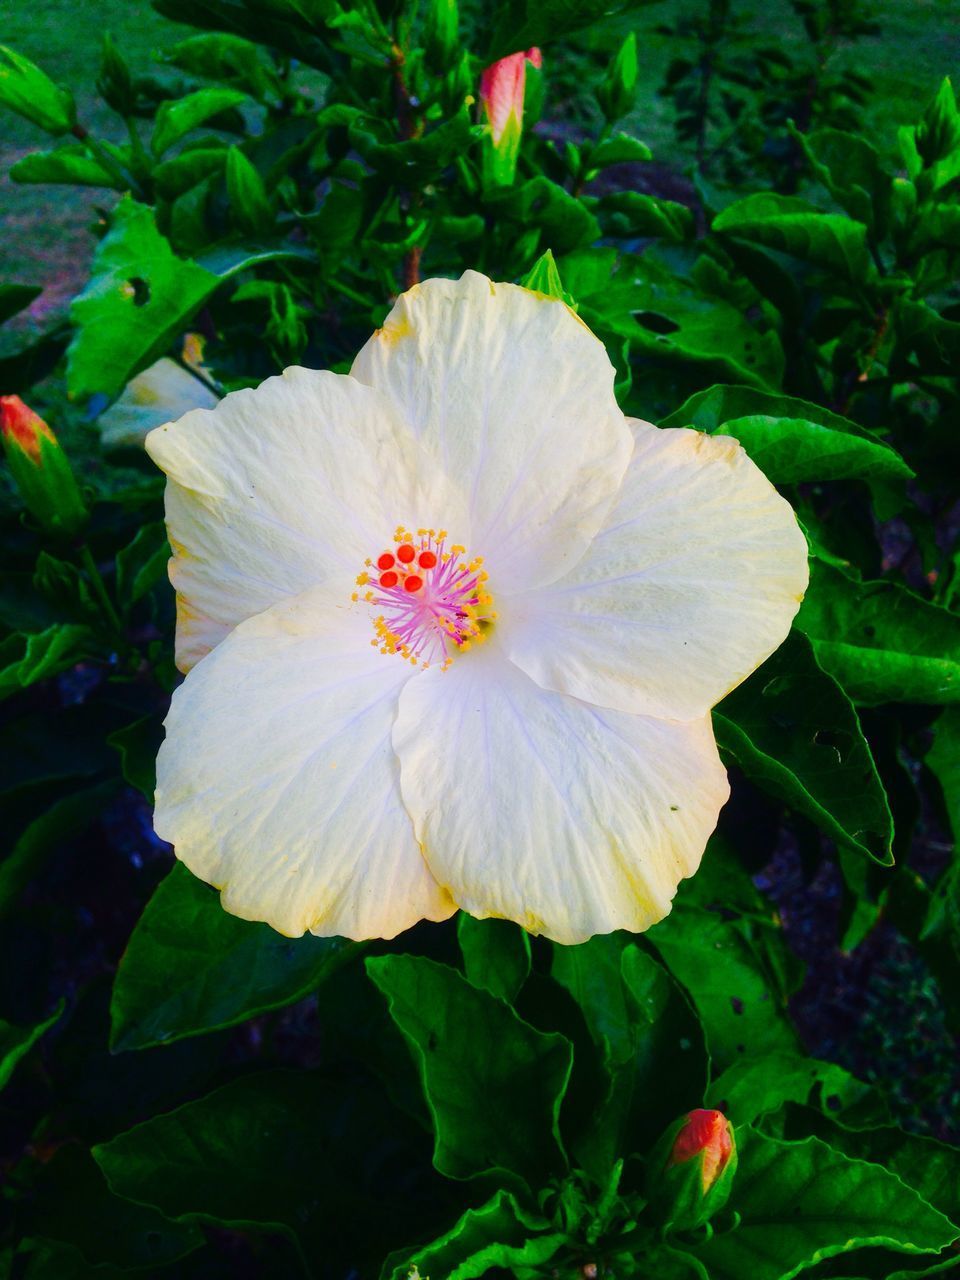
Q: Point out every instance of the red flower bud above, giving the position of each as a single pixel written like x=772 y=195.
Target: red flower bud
x=40 y=468
x=22 y=428
x=691 y=1169
x=706 y=1134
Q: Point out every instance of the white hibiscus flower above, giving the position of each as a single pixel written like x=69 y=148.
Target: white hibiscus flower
x=380 y=726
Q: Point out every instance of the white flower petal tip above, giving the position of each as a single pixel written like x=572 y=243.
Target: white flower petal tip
x=568 y=818
x=277 y=782
x=692 y=583
x=511 y=395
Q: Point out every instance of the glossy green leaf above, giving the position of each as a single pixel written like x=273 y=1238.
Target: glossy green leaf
x=751 y=1088
x=794 y=732
x=249 y=202
x=138 y=744
x=830 y=241
x=880 y=641
x=790 y=450
x=537 y=22
x=851 y=170
x=191 y=967
x=176 y=119
x=140 y=297
x=496 y=955
x=500 y=1233
x=16 y=1042
x=930 y=1167
x=666 y=318
x=477 y=1059
x=565 y=222
x=725 y=975
x=801 y=1202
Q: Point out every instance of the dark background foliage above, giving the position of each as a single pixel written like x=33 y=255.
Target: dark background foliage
x=763 y=226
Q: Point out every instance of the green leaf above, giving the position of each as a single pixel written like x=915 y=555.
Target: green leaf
x=499 y=1234
x=493 y=1084
x=754 y=1087
x=72 y=1203
x=943 y=759
x=791 y=450
x=190 y=967
x=71 y=164
x=183 y=172
x=16 y=1042
x=801 y=1202
x=565 y=221
x=633 y=213
x=930 y=1167
x=249 y=202
x=228 y=59
x=176 y=119
x=922 y=332
x=851 y=170
x=140 y=297
x=830 y=241
x=14 y=298
x=649 y=1042
x=143 y=562
x=621 y=148
x=518 y=24
x=65 y=817
x=725 y=975
x=138 y=744
x=287 y=1150
x=666 y=318
x=880 y=641
x=793 y=731
x=496 y=955
x=26 y=659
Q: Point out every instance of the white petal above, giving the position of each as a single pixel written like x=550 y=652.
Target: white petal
x=283 y=488
x=513 y=395
x=568 y=818
x=693 y=581
x=164 y=391
x=277 y=781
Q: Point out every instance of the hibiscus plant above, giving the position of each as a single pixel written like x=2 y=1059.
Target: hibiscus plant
x=480 y=657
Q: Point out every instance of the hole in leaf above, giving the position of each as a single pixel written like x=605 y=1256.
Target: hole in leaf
x=736 y=1005
x=654 y=322
x=141 y=291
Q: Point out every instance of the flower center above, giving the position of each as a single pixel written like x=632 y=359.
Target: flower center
x=431 y=602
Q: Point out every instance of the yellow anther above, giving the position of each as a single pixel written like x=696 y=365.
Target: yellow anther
x=362 y=579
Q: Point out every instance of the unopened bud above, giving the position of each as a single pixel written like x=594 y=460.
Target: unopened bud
x=40 y=469
x=690 y=1171
x=32 y=94
x=618 y=90
x=501 y=103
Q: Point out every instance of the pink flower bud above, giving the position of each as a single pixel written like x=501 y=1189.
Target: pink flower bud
x=501 y=101
x=707 y=1135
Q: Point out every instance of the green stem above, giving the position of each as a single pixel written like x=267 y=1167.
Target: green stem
x=127 y=181
x=100 y=588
